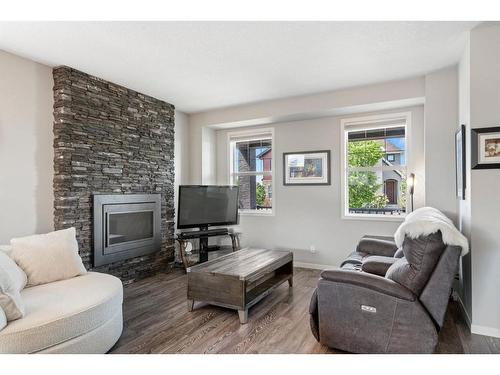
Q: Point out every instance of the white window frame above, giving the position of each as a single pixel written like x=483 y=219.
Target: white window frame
x=364 y=123
x=252 y=134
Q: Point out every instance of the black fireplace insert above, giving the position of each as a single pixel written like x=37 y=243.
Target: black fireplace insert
x=126 y=226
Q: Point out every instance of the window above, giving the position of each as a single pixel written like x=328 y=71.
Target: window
x=252 y=169
x=375 y=155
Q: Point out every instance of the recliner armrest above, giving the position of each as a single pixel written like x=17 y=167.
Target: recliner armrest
x=369 y=281
x=377 y=265
x=377 y=245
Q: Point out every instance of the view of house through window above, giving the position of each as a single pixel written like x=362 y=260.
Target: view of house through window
x=376 y=171
x=251 y=170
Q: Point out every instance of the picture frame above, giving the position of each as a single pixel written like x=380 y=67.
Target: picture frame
x=485 y=148
x=460 y=167
x=306 y=168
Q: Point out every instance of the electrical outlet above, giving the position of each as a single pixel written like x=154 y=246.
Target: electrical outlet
x=312 y=249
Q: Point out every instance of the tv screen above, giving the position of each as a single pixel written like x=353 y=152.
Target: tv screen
x=207 y=205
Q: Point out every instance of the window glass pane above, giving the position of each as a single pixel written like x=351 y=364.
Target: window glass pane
x=377 y=192
x=365 y=153
x=252 y=156
x=255 y=192
x=376 y=147
x=395 y=147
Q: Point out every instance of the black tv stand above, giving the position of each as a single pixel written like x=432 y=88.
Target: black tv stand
x=202 y=235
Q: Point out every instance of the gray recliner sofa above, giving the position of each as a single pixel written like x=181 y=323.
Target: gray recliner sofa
x=384 y=299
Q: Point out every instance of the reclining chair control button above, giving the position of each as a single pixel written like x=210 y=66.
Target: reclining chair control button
x=368 y=308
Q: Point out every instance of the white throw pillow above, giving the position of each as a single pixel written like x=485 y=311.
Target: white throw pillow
x=48 y=257
x=12 y=281
x=3 y=319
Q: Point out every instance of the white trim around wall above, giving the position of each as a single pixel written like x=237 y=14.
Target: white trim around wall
x=485 y=331
x=474 y=328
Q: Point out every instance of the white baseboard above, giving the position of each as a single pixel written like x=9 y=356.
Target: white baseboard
x=485 y=331
x=474 y=328
x=313 y=265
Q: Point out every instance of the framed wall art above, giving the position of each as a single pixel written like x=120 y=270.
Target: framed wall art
x=485 y=148
x=306 y=168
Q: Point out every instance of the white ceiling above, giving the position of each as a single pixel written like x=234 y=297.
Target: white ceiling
x=199 y=66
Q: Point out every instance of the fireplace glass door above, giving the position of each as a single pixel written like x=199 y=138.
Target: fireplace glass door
x=129 y=226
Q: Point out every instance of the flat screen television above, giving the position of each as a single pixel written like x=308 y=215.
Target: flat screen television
x=203 y=205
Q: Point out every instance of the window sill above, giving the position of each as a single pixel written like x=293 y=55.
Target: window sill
x=373 y=217
x=255 y=213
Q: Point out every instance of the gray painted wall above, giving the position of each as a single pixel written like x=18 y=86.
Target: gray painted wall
x=441 y=120
x=380 y=96
x=479 y=106
x=26 y=153
x=484 y=112
x=311 y=215
x=464 y=285
x=181 y=153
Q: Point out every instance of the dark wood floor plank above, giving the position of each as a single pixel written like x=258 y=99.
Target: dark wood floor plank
x=156 y=320
x=449 y=338
x=494 y=344
x=471 y=343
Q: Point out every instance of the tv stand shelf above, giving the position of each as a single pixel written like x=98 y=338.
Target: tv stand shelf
x=202 y=235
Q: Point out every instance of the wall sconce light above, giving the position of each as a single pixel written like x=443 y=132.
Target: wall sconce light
x=411 y=187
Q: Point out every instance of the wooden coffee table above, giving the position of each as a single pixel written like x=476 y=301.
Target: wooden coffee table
x=239 y=280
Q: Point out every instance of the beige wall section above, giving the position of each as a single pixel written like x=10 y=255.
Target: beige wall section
x=357 y=96
x=26 y=152
x=464 y=286
x=311 y=215
x=441 y=123
x=181 y=153
x=485 y=239
x=479 y=106
x=353 y=100
x=209 y=163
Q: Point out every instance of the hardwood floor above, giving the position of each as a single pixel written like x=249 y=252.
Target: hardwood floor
x=156 y=320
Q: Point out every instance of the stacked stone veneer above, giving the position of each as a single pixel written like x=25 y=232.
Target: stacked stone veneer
x=111 y=140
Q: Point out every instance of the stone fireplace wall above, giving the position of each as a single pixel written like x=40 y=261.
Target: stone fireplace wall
x=111 y=140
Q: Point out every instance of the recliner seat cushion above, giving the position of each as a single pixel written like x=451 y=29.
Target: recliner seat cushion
x=61 y=311
x=420 y=258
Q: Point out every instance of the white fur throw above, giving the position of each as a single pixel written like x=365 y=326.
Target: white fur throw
x=428 y=220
